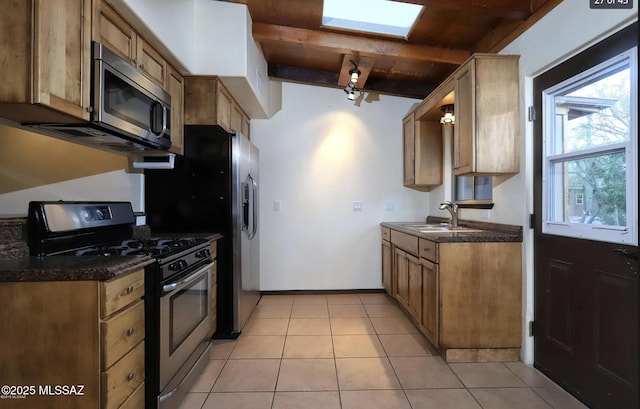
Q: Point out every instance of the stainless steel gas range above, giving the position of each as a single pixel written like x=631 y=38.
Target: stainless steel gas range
x=177 y=286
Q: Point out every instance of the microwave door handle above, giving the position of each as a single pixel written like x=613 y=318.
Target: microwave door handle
x=164 y=118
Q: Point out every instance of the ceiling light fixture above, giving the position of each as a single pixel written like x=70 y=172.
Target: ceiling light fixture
x=350 y=90
x=447 y=118
x=355 y=72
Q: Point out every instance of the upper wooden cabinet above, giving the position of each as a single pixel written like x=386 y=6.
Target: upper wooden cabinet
x=485 y=94
x=46 y=60
x=175 y=87
x=422 y=153
x=208 y=102
x=119 y=36
x=487 y=114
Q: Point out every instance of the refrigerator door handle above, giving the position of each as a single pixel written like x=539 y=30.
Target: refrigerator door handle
x=254 y=221
x=245 y=206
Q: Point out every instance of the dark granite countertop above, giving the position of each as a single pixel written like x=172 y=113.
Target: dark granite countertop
x=67 y=268
x=17 y=265
x=484 y=232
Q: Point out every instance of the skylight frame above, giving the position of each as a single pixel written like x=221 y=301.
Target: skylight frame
x=379 y=17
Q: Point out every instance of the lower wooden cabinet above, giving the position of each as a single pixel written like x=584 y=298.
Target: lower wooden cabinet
x=465 y=297
x=430 y=302
x=83 y=334
x=387 y=265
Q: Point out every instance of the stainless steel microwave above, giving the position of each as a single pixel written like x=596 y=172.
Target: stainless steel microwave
x=129 y=112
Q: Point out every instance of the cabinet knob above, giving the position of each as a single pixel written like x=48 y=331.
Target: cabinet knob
x=142 y=66
x=130 y=332
x=129 y=289
x=130 y=376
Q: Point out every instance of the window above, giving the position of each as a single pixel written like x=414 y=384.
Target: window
x=473 y=190
x=386 y=17
x=590 y=153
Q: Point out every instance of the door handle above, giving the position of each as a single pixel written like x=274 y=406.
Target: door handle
x=254 y=222
x=626 y=253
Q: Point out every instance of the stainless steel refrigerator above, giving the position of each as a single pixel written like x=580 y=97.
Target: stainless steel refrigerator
x=214 y=188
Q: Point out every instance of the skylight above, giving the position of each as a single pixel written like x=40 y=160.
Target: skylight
x=375 y=16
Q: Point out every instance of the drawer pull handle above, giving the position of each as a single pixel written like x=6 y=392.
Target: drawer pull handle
x=130 y=376
x=129 y=289
x=130 y=332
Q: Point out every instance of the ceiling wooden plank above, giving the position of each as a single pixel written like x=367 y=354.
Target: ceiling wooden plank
x=510 y=32
x=508 y=9
x=347 y=44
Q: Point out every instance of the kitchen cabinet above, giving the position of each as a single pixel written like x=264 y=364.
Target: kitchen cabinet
x=214 y=287
x=176 y=90
x=408 y=273
x=387 y=262
x=430 y=320
x=46 y=64
x=119 y=36
x=208 y=102
x=464 y=296
x=487 y=115
x=422 y=153
x=88 y=333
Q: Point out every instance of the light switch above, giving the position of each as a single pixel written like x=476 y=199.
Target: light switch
x=357 y=206
x=277 y=205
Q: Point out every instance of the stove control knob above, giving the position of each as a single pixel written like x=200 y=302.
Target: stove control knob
x=178 y=265
x=203 y=253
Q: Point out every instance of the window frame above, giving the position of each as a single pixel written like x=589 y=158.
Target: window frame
x=616 y=234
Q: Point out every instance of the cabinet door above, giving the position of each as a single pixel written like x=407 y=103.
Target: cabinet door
x=176 y=90
x=387 y=280
x=402 y=277
x=430 y=302
x=114 y=32
x=464 y=130
x=224 y=106
x=414 y=293
x=150 y=62
x=62 y=55
x=408 y=136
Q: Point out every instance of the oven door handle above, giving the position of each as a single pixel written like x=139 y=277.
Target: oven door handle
x=167 y=288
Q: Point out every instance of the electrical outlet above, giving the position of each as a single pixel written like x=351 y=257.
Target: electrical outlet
x=277 y=205
x=357 y=206
x=389 y=206
x=486 y=214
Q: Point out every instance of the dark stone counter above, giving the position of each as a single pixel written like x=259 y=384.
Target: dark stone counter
x=17 y=265
x=65 y=268
x=489 y=232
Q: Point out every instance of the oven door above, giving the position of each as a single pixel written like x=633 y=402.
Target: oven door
x=185 y=308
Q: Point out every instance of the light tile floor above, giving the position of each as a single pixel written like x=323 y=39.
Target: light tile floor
x=352 y=351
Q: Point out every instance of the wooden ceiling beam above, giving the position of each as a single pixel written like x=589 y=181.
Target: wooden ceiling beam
x=409 y=89
x=351 y=44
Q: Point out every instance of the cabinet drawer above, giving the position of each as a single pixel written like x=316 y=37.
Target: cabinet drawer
x=136 y=400
x=121 y=333
x=120 y=292
x=405 y=241
x=429 y=250
x=386 y=234
x=123 y=378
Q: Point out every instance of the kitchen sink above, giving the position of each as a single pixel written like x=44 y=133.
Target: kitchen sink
x=438 y=228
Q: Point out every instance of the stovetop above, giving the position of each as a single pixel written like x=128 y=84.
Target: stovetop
x=157 y=247
x=106 y=229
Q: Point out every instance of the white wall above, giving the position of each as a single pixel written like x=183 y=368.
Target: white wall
x=318 y=155
x=568 y=29
x=38 y=167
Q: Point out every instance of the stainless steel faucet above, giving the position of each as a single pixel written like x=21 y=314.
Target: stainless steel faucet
x=453 y=209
